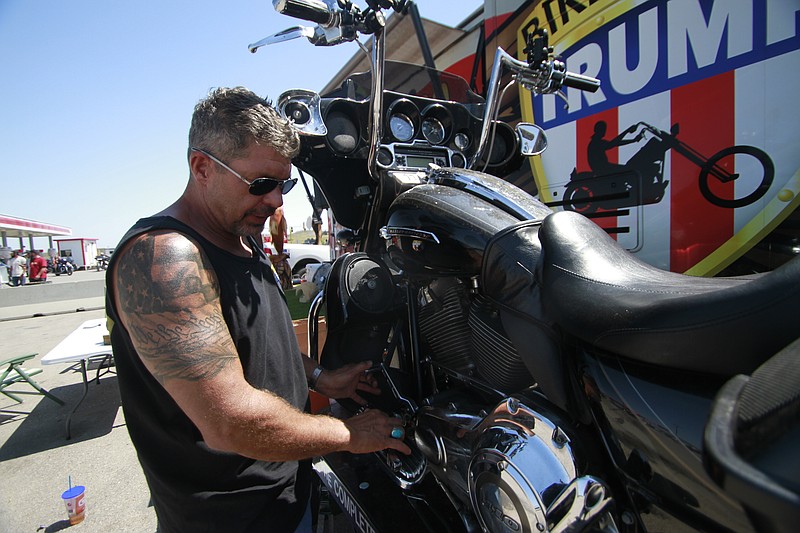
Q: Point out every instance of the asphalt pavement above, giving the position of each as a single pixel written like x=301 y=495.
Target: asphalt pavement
x=37 y=462
x=36 y=459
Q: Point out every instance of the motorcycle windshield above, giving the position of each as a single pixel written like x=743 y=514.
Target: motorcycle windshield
x=416 y=80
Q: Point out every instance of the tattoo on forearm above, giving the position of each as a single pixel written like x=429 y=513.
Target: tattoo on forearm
x=170 y=301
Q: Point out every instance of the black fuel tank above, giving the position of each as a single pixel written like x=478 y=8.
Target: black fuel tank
x=442 y=227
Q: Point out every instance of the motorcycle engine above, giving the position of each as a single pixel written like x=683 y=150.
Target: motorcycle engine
x=513 y=468
x=463 y=333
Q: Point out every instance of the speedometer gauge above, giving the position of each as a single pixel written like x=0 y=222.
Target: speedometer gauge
x=401 y=126
x=433 y=130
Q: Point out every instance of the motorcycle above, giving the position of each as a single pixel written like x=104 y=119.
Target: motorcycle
x=63 y=266
x=101 y=262
x=547 y=379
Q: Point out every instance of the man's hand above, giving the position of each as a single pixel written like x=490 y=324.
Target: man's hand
x=372 y=431
x=345 y=382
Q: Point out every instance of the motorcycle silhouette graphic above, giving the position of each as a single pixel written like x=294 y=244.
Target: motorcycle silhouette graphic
x=641 y=181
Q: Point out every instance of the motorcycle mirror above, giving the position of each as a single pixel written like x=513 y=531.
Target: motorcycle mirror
x=312 y=10
x=532 y=139
x=285 y=35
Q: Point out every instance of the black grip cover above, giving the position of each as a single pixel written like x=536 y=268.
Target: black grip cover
x=584 y=83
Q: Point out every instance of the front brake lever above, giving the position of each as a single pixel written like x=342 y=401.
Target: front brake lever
x=286 y=35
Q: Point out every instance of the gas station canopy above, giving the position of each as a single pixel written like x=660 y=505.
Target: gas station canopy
x=21 y=228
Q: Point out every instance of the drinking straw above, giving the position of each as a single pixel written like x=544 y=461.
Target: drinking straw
x=69 y=478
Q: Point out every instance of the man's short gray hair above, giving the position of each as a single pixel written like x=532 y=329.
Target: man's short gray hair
x=229 y=120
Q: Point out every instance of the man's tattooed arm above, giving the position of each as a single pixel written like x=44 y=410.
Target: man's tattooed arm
x=168 y=296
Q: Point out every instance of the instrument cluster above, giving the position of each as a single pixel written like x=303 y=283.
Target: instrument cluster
x=421 y=131
x=417 y=131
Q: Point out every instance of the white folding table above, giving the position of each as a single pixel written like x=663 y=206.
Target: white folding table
x=83 y=344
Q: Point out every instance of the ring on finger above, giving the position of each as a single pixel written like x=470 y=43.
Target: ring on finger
x=398 y=433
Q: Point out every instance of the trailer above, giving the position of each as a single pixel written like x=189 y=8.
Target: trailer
x=81 y=251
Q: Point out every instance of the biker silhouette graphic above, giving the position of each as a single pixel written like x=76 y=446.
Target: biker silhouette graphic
x=598 y=146
x=641 y=181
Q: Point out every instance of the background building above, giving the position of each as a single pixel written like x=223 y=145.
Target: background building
x=19 y=234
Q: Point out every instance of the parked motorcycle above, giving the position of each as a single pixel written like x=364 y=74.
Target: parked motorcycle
x=63 y=266
x=547 y=379
x=101 y=262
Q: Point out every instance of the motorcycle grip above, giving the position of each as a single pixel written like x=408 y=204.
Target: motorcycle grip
x=578 y=81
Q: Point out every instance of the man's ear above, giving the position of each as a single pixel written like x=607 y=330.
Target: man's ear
x=200 y=167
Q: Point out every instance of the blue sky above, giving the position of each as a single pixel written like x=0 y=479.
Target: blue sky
x=97 y=98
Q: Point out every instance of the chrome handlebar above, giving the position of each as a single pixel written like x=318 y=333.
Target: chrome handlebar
x=340 y=21
x=541 y=73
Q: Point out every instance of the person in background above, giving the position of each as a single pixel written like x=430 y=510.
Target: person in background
x=280 y=261
x=213 y=385
x=316 y=225
x=278 y=230
x=17 y=266
x=37 y=268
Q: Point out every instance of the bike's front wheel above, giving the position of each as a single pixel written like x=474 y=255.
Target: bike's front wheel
x=720 y=168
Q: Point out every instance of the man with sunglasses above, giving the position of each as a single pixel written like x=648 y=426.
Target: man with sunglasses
x=213 y=385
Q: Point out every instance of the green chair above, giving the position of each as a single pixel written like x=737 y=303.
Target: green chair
x=14 y=373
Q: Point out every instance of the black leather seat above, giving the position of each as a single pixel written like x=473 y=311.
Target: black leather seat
x=600 y=293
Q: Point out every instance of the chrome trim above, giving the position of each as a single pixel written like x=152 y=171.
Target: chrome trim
x=517 y=459
x=441 y=155
x=585 y=499
x=501 y=60
x=317 y=11
x=375 y=125
x=391 y=232
x=288 y=34
x=532 y=139
x=472 y=185
x=313 y=326
x=311 y=101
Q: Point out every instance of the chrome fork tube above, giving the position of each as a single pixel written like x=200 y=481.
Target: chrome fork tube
x=376 y=101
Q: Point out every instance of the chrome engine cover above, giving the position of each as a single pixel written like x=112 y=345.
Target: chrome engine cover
x=514 y=467
x=523 y=475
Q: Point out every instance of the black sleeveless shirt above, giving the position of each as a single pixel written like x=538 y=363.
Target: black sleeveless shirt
x=193 y=487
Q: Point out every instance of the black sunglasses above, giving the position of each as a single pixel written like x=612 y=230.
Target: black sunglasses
x=259 y=186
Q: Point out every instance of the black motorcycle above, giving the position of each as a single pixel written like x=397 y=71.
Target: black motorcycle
x=62 y=265
x=548 y=380
x=101 y=262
